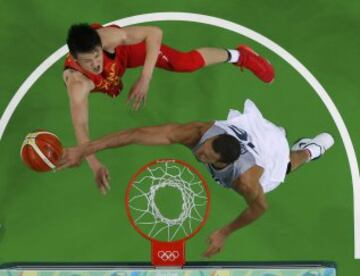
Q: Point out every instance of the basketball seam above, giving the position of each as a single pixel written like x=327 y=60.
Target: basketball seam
x=32 y=143
x=34 y=134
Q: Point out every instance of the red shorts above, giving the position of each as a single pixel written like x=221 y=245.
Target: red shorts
x=168 y=59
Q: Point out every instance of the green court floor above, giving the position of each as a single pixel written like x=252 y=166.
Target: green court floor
x=62 y=217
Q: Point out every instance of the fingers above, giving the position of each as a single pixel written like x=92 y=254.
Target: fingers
x=70 y=158
x=131 y=95
x=212 y=250
x=137 y=96
x=60 y=167
x=138 y=102
x=134 y=92
x=214 y=246
x=105 y=180
x=100 y=184
x=102 y=189
x=66 y=163
x=63 y=162
x=102 y=180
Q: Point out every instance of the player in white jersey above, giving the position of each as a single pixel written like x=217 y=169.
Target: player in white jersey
x=246 y=153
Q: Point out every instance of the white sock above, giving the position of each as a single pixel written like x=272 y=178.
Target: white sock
x=234 y=55
x=314 y=150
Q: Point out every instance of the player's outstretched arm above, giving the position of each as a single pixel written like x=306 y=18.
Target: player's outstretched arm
x=79 y=87
x=113 y=37
x=185 y=134
x=249 y=187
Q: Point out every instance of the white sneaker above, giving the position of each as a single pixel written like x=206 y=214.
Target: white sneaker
x=317 y=146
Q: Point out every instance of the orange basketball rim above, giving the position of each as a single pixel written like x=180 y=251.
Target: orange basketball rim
x=167 y=235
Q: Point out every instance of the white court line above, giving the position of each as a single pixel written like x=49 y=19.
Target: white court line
x=228 y=25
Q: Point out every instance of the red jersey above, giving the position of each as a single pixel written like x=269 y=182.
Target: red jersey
x=132 y=56
x=114 y=66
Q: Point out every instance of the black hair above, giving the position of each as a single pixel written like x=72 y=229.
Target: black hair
x=228 y=147
x=82 y=39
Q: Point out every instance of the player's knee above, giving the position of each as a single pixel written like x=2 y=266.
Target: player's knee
x=157 y=31
x=188 y=62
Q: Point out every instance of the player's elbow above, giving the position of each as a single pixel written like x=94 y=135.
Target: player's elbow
x=262 y=207
x=136 y=135
x=158 y=31
x=259 y=207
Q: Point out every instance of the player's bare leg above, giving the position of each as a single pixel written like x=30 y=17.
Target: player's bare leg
x=243 y=57
x=298 y=158
x=213 y=55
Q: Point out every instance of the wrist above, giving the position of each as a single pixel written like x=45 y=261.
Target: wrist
x=93 y=162
x=226 y=230
x=146 y=76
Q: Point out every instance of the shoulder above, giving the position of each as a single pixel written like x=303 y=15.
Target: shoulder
x=201 y=127
x=189 y=134
x=75 y=78
x=249 y=180
x=252 y=174
x=111 y=37
x=71 y=75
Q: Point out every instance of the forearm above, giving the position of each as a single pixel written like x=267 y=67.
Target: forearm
x=150 y=136
x=118 y=139
x=249 y=215
x=79 y=112
x=78 y=88
x=82 y=137
x=81 y=133
x=153 y=43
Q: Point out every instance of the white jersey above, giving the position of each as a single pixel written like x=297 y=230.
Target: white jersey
x=262 y=143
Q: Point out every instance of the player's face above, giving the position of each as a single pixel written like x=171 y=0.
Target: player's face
x=206 y=153
x=92 y=61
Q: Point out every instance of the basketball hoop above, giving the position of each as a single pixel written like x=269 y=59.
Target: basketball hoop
x=167 y=235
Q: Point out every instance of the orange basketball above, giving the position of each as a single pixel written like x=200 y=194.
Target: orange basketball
x=41 y=151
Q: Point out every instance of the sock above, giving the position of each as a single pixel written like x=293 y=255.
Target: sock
x=315 y=151
x=233 y=55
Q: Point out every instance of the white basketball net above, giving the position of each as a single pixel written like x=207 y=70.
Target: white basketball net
x=146 y=214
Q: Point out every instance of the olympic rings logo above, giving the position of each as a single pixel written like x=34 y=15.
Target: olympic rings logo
x=168 y=255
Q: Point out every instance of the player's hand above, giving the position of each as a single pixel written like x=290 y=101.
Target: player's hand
x=71 y=157
x=138 y=93
x=102 y=178
x=216 y=243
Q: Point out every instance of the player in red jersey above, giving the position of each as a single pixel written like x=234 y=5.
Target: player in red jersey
x=99 y=56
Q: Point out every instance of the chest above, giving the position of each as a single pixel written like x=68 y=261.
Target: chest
x=112 y=69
